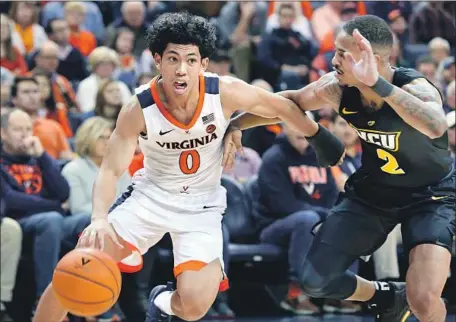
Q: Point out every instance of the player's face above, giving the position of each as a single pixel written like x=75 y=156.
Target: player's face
x=345 y=43
x=180 y=67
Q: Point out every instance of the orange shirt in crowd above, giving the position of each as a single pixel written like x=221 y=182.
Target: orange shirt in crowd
x=17 y=66
x=60 y=116
x=51 y=136
x=136 y=163
x=26 y=35
x=84 y=41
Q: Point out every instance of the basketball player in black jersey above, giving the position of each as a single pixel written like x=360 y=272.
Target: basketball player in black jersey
x=406 y=178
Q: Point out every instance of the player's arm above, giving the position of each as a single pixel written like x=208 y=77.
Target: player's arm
x=325 y=91
x=120 y=150
x=236 y=94
x=417 y=103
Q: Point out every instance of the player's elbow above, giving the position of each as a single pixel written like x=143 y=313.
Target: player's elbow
x=437 y=129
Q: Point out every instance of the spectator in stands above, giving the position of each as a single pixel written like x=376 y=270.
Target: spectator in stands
x=384 y=8
x=91 y=143
x=81 y=39
x=398 y=25
x=102 y=63
x=294 y=195
x=396 y=57
x=72 y=64
x=426 y=66
x=133 y=17
x=430 y=21
x=261 y=138
x=10 y=56
x=145 y=78
x=53 y=111
x=220 y=63
x=242 y=24
x=25 y=15
x=451 y=121
x=93 y=20
x=450 y=99
x=47 y=62
x=10 y=251
x=247 y=164
x=128 y=68
x=108 y=102
x=287 y=50
x=301 y=24
x=146 y=62
x=26 y=96
x=439 y=49
x=326 y=18
x=36 y=195
x=6 y=81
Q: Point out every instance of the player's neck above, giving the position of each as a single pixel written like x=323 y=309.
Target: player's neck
x=180 y=102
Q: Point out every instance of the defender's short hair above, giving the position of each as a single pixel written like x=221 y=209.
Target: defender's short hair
x=373 y=28
x=182 y=28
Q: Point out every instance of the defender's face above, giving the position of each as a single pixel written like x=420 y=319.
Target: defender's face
x=180 y=67
x=345 y=43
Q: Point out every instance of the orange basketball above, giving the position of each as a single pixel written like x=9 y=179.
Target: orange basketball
x=87 y=282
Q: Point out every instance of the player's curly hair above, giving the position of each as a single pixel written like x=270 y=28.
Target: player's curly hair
x=182 y=28
x=373 y=28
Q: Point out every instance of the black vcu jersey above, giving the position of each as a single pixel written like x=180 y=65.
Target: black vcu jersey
x=405 y=178
x=396 y=157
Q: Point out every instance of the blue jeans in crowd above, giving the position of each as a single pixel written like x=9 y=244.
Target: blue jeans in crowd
x=49 y=229
x=295 y=233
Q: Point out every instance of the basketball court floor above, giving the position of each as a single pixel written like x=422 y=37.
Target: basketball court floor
x=326 y=318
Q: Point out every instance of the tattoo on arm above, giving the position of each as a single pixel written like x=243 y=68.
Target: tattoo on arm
x=420 y=103
x=328 y=88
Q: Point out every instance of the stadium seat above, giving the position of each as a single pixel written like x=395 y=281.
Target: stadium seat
x=415 y=51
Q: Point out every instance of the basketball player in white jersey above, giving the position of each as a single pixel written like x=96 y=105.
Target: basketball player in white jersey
x=181 y=118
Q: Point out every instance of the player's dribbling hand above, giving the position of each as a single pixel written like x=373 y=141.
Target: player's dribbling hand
x=95 y=234
x=365 y=69
x=232 y=143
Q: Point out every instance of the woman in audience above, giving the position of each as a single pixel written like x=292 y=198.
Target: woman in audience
x=25 y=15
x=102 y=62
x=54 y=111
x=108 y=101
x=10 y=57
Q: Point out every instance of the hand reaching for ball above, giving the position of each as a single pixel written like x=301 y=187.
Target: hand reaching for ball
x=94 y=236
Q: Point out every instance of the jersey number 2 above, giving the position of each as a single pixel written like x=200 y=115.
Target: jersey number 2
x=184 y=160
x=391 y=166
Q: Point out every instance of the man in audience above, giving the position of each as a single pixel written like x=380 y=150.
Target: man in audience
x=10 y=251
x=133 y=17
x=287 y=51
x=439 y=49
x=79 y=38
x=36 y=194
x=294 y=195
x=72 y=64
x=426 y=66
x=47 y=62
x=26 y=96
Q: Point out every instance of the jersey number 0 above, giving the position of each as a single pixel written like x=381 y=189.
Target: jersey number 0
x=192 y=157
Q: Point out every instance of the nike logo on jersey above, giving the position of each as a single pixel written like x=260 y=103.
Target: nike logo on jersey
x=438 y=198
x=347 y=112
x=371 y=123
x=166 y=132
x=209 y=207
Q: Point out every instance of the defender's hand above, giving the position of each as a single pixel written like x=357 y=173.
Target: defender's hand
x=232 y=144
x=94 y=235
x=365 y=69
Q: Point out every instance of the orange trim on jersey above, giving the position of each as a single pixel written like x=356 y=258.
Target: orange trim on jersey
x=196 y=266
x=167 y=115
x=125 y=268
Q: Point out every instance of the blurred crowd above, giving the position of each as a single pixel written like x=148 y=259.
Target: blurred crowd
x=68 y=67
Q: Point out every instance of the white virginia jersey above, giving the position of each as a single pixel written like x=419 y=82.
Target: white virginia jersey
x=178 y=158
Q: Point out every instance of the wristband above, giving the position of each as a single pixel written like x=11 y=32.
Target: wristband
x=328 y=148
x=382 y=87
